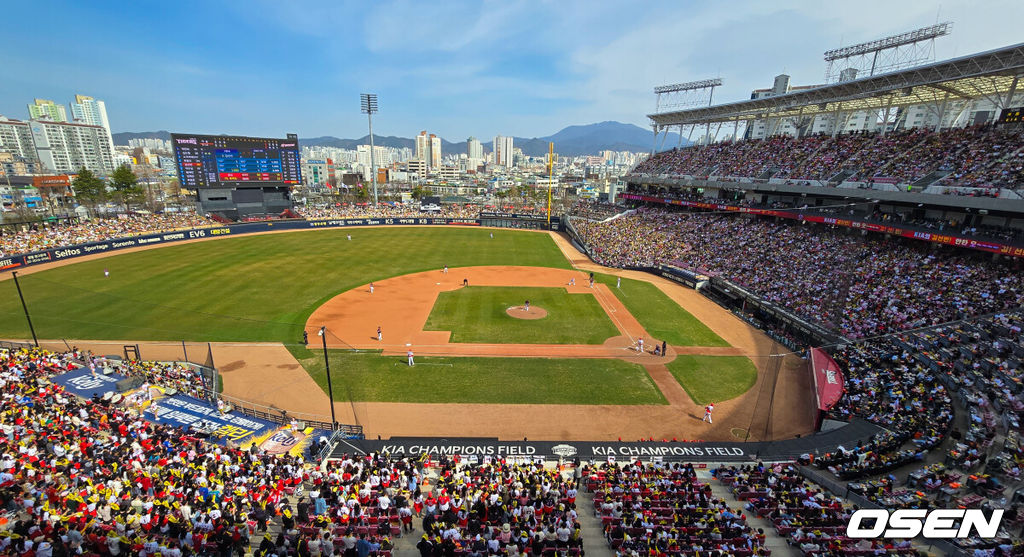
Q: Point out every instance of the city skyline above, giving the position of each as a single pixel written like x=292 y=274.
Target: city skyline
x=257 y=69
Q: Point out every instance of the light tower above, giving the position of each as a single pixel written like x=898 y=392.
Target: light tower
x=368 y=103
x=683 y=95
x=895 y=52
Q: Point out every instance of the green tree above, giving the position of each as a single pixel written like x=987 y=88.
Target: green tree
x=89 y=189
x=125 y=185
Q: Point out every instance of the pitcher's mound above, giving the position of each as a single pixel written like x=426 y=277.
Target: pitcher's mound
x=519 y=313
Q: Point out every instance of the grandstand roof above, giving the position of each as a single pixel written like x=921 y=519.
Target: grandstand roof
x=988 y=74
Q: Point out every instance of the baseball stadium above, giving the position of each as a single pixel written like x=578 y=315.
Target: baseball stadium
x=746 y=341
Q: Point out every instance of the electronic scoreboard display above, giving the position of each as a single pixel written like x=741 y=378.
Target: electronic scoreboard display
x=224 y=161
x=1011 y=115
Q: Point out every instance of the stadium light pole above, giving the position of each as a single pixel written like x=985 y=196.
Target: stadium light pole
x=327 y=364
x=368 y=104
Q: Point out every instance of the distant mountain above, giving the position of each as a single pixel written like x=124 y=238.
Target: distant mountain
x=571 y=141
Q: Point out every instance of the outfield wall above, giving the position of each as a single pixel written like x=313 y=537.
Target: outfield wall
x=15 y=262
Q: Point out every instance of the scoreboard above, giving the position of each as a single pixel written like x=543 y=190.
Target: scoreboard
x=1011 y=115
x=224 y=161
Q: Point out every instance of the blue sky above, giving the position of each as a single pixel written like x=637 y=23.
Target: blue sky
x=454 y=68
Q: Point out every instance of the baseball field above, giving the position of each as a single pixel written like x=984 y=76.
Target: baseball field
x=484 y=365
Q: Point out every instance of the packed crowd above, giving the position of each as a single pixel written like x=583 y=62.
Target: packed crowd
x=94 y=477
x=860 y=287
x=41 y=236
x=389 y=210
x=663 y=509
x=976 y=156
x=593 y=210
x=88 y=476
x=500 y=508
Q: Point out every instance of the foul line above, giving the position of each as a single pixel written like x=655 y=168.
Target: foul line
x=612 y=313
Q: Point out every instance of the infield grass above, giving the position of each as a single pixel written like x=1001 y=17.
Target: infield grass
x=477 y=314
x=250 y=288
x=660 y=315
x=370 y=377
x=713 y=378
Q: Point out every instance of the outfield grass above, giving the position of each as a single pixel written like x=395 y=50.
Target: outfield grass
x=250 y=288
x=477 y=314
x=661 y=316
x=370 y=377
x=713 y=378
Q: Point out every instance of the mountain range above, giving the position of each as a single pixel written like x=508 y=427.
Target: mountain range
x=572 y=141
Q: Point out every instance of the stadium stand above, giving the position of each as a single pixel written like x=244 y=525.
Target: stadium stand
x=387 y=210
x=812 y=519
x=986 y=157
x=860 y=287
x=664 y=509
x=39 y=236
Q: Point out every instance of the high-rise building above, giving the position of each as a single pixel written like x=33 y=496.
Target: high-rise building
x=474 y=149
x=43 y=109
x=64 y=147
x=87 y=110
x=16 y=138
x=503 y=151
x=428 y=149
x=422 y=146
x=435 y=151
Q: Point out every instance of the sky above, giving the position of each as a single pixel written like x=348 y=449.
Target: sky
x=481 y=68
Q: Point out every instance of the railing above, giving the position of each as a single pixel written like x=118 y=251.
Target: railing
x=338 y=436
x=283 y=417
x=14 y=345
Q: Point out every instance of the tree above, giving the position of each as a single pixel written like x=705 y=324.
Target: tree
x=89 y=189
x=174 y=188
x=125 y=185
x=417 y=192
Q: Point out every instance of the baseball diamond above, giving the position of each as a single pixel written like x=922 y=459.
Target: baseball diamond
x=580 y=362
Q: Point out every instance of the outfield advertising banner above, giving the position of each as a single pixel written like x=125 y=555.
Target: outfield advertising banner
x=81 y=382
x=945 y=239
x=15 y=262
